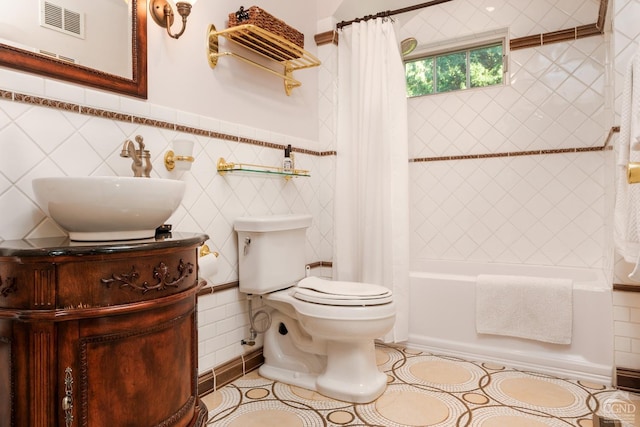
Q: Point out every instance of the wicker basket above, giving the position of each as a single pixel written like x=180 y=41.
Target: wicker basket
x=263 y=19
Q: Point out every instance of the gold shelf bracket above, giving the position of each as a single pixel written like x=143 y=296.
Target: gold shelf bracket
x=267 y=45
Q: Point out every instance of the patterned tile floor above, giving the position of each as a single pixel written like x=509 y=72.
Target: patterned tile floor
x=423 y=390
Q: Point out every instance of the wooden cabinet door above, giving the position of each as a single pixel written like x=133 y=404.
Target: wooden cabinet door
x=136 y=369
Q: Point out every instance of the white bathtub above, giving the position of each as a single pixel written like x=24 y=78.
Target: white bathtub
x=442 y=320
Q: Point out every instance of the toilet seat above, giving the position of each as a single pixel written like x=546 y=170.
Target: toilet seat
x=339 y=293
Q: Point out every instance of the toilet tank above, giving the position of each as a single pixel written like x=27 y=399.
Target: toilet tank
x=271 y=251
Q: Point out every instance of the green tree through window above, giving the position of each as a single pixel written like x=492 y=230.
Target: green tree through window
x=463 y=69
x=451 y=72
x=419 y=76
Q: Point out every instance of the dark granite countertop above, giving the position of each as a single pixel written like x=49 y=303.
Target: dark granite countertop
x=63 y=246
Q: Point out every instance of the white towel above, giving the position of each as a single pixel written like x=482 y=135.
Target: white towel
x=536 y=308
x=627 y=205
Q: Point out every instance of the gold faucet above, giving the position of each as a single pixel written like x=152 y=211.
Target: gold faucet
x=137 y=156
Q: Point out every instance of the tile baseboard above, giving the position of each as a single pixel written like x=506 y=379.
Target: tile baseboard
x=228 y=372
x=628 y=379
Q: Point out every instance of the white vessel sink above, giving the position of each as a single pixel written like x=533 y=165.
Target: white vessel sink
x=105 y=208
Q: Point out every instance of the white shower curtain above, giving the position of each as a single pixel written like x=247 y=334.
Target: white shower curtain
x=371 y=214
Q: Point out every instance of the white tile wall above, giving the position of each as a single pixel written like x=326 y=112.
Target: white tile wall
x=547 y=209
x=222 y=325
x=626 y=316
x=327 y=110
x=39 y=141
x=540 y=210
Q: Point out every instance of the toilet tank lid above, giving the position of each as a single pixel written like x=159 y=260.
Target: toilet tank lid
x=272 y=222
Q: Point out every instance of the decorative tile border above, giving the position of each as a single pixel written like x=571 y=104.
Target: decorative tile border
x=105 y=114
x=507 y=154
x=626 y=287
x=45 y=102
x=5 y=94
x=568 y=34
x=112 y=115
x=614 y=129
x=602 y=14
x=320 y=264
x=328 y=37
x=208 y=290
x=123 y=117
x=151 y=122
x=535 y=40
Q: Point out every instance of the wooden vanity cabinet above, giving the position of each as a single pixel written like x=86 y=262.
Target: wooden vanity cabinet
x=100 y=335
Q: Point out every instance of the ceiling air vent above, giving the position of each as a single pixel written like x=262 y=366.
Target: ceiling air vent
x=60 y=19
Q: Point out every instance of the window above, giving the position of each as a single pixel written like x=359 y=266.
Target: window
x=455 y=70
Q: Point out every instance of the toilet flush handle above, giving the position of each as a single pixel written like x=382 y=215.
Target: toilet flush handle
x=247 y=242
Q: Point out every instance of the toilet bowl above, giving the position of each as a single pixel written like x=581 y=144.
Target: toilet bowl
x=322 y=332
x=335 y=352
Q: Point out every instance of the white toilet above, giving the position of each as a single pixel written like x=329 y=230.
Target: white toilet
x=322 y=332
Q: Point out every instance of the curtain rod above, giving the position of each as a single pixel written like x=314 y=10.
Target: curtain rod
x=392 y=12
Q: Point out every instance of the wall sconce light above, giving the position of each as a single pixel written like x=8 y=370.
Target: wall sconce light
x=162 y=14
x=182 y=158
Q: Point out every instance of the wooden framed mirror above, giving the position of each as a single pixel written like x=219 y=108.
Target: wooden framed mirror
x=133 y=83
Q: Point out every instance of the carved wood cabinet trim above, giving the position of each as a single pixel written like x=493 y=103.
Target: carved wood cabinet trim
x=161 y=274
x=42 y=347
x=44 y=288
x=7 y=286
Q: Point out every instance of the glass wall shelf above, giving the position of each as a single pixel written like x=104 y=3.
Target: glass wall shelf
x=225 y=167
